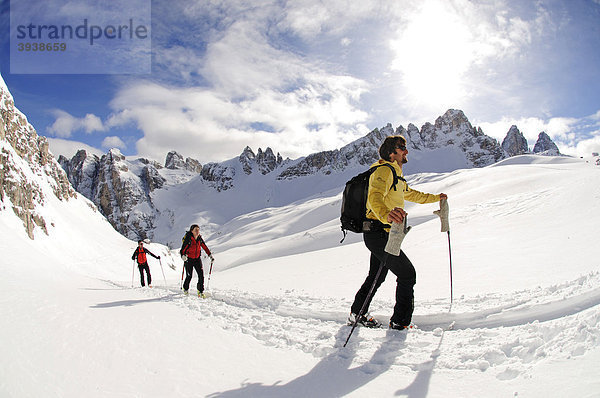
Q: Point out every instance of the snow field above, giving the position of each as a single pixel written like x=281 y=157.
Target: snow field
x=525 y=316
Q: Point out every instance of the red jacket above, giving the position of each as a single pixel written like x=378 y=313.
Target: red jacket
x=194 y=248
x=141 y=255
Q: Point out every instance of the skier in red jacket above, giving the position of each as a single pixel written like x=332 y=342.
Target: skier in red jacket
x=140 y=255
x=190 y=253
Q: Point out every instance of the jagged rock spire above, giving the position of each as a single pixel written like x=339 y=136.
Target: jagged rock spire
x=265 y=161
x=545 y=145
x=515 y=143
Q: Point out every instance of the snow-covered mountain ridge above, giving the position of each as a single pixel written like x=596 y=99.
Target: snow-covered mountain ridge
x=134 y=194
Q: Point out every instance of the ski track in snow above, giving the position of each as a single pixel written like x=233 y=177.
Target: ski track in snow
x=487 y=333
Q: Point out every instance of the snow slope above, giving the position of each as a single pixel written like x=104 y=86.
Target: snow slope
x=526 y=309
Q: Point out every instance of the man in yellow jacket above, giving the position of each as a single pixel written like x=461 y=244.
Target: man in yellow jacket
x=385 y=205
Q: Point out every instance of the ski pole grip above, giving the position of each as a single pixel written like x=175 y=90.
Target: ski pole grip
x=443 y=214
x=396 y=236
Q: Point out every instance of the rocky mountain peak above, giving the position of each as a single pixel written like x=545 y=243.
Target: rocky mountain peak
x=82 y=171
x=453 y=129
x=115 y=155
x=174 y=161
x=193 y=165
x=515 y=142
x=545 y=146
x=452 y=119
x=412 y=135
x=246 y=159
x=265 y=161
x=248 y=153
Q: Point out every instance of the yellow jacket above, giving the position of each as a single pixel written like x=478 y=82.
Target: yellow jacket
x=381 y=199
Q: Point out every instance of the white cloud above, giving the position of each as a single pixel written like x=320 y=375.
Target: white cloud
x=589 y=146
x=208 y=125
x=310 y=18
x=68 y=148
x=113 y=142
x=301 y=105
x=66 y=124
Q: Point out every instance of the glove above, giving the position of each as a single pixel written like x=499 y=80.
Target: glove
x=396 y=236
x=443 y=214
x=211 y=257
x=184 y=257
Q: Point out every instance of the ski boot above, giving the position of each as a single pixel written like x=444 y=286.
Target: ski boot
x=397 y=326
x=365 y=320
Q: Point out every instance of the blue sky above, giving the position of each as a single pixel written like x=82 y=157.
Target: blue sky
x=306 y=75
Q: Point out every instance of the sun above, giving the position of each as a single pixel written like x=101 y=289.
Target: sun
x=433 y=52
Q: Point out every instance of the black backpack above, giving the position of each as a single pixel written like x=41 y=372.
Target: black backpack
x=354 y=200
x=185 y=241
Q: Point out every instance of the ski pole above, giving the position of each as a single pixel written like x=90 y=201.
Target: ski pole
x=450 y=256
x=182 y=272
x=132 y=273
x=163 y=272
x=364 y=306
x=209 y=273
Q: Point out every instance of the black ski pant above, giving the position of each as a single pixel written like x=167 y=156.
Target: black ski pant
x=144 y=267
x=400 y=266
x=190 y=265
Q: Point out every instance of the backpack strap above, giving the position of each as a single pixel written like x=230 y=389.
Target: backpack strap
x=396 y=177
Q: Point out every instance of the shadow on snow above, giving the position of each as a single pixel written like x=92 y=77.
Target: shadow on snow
x=333 y=377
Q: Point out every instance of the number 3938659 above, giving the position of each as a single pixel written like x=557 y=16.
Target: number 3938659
x=42 y=47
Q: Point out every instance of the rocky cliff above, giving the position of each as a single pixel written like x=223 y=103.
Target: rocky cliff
x=123 y=189
x=27 y=168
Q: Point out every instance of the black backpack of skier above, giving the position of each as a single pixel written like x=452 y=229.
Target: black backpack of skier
x=185 y=241
x=354 y=200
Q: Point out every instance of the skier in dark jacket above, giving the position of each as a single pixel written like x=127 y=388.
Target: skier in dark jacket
x=190 y=253
x=140 y=255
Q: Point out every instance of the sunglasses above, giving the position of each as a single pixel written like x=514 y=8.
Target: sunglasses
x=401 y=147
